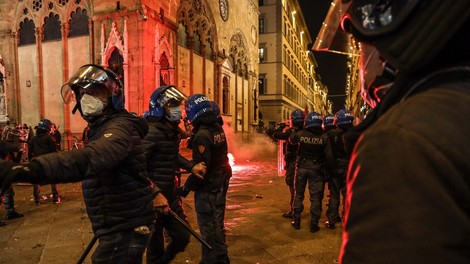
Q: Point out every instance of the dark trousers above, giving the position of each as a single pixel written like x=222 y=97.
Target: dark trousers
x=8 y=199
x=211 y=231
x=156 y=252
x=221 y=201
x=316 y=187
x=37 y=190
x=337 y=186
x=124 y=247
x=290 y=181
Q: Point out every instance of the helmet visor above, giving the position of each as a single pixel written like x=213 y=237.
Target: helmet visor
x=172 y=97
x=373 y=18
x=93 y=80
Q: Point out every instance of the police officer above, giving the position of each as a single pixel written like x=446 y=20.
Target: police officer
x=290 y=154
x=408 y=187
x=343 y=121
x=312 y=155
x=162 y=144
x=209 y=145
x=112 y=167
x=6 y=150
x=43 y=143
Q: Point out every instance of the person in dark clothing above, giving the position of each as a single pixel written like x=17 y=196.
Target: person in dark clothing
x=343 y=120
x=162 y=144
x=408 y=182
x=6 y=150
x=112 y=167
x=209 y=145
x=56 y=136
x=313 y=152
x=290 y=154
x=43 y=143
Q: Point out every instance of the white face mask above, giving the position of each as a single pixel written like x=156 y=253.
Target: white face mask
x=91 y=105
x=174 y=114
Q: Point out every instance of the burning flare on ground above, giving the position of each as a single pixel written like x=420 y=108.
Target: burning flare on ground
x=231 y=159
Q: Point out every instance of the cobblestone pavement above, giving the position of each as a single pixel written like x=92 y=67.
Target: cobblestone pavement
x=256 y=232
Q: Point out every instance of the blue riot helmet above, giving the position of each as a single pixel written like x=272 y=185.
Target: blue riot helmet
x=45 y=124
x=297 y=117
x=165 y=102
x=344 y=116
x=313 y=119
x=94 y=88
x=328 y=121
x=196 y=105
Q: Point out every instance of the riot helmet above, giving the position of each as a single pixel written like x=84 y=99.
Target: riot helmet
x=165 y=102
x=409 y=34
x=313 y=119
x=297 y=118
x=328 y=121
x=95 y=89
x=197 y=105
x=343 y=117
x=45 y=124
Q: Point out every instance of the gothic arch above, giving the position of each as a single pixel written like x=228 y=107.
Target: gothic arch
x=163 y=48
x=239 y=54
x=30 y=9
x=198 y=18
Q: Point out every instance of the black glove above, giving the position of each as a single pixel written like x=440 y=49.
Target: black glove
x=18 y=172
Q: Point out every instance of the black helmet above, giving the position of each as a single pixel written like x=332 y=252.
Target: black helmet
x=409 y=34
x=97 y=81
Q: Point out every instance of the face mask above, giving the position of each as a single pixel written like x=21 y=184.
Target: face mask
x=91 y=105
x=174 y=114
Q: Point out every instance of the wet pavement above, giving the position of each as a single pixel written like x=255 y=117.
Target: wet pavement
x=256 y=231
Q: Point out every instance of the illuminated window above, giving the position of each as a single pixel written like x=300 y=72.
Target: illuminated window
x=262 y=54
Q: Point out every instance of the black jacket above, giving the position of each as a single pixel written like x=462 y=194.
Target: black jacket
x=163 y=158
x=313 y=148
x=42 y=143
x=409 y=177
x=112 y=167
x=209 y=144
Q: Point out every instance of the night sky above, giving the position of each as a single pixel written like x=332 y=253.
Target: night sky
x=331 y=66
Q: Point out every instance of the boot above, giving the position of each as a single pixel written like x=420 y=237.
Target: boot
x=296 y=223
x=56 y=199
x=12 y=214
x=287 y=215
x=2 y=223
x=330 y=225
x=36 y=200
x=314 y=228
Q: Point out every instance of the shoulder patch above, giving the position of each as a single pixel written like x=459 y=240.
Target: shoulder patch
x=107 y=135
x=201 y=148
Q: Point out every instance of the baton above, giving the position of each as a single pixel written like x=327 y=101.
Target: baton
x=87 y=250
x=190 y=230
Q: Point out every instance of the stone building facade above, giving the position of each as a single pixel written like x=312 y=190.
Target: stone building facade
x=287 y=79
x=200 y=46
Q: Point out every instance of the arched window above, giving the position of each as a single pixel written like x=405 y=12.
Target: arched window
x=182 y=35
x=79 y=23
x=26 y=32
x=197 y=43
x=52 y=28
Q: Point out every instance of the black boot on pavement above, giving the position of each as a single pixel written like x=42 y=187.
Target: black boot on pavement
x=12 y=214
x=330 y=225
x=314 y=228
x=296 y=223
